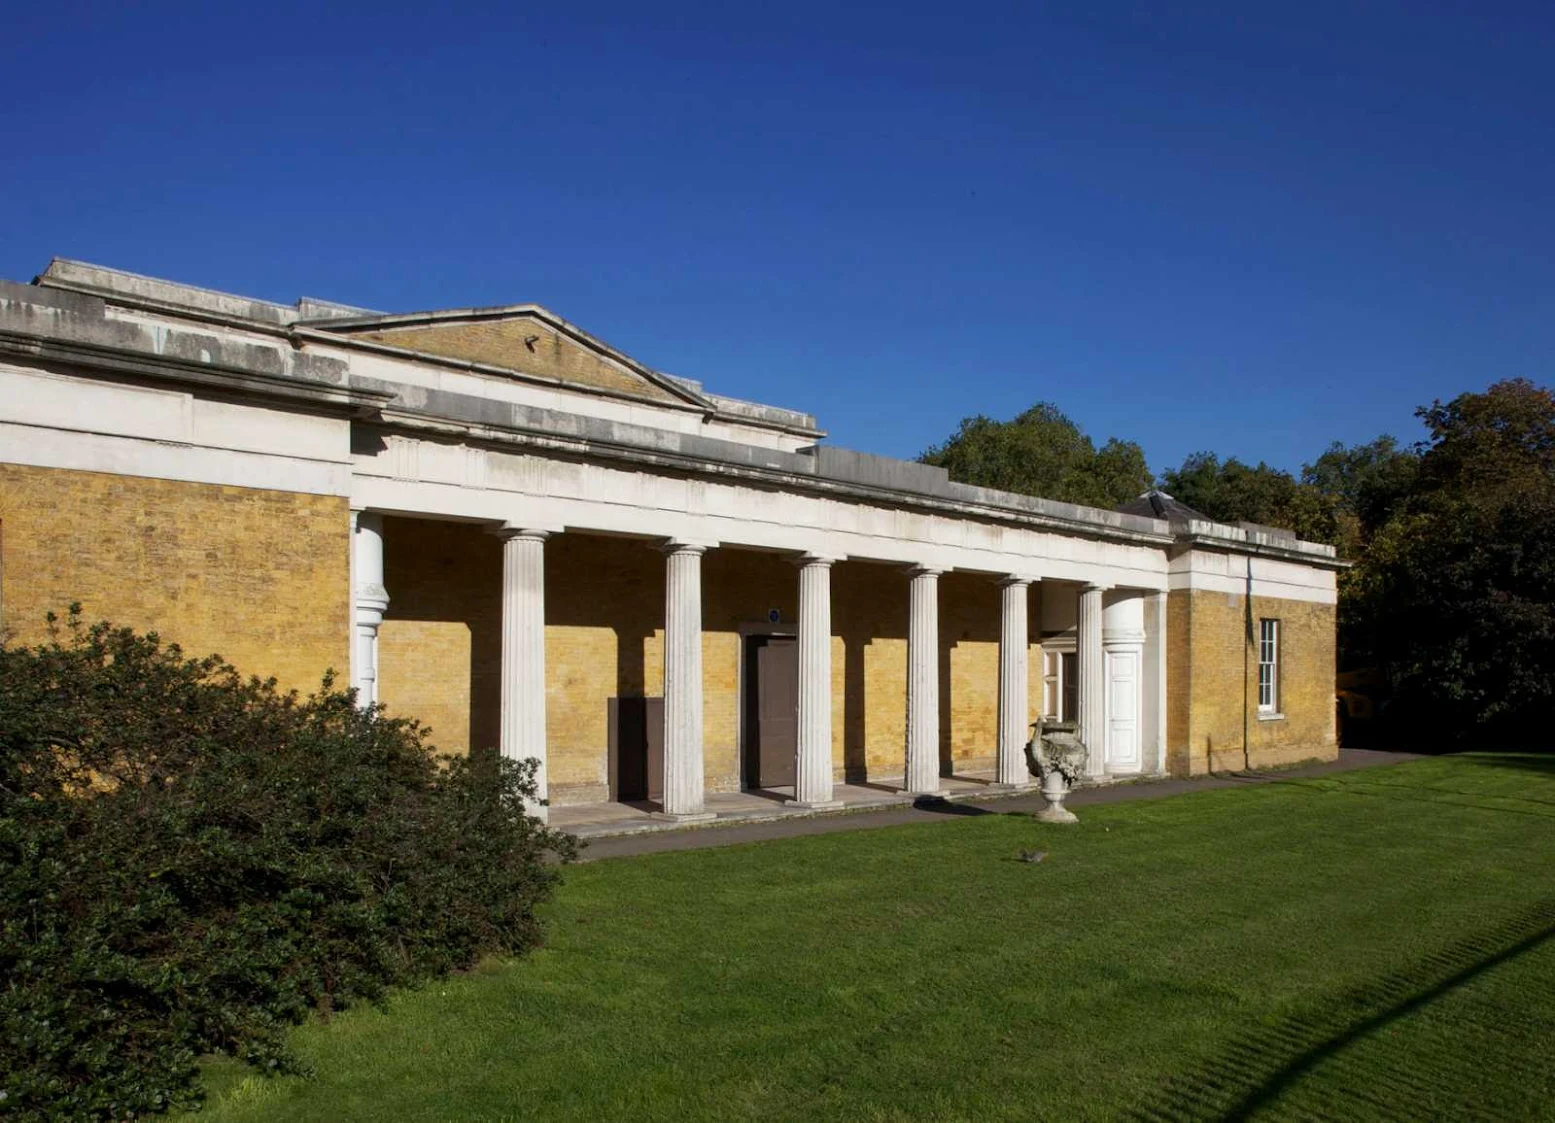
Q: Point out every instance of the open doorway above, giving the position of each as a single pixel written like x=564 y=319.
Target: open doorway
x=771 y=718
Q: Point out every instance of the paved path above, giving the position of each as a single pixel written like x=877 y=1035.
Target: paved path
x=942 y=811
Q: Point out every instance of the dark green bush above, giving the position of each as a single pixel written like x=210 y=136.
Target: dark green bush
x=191 y=862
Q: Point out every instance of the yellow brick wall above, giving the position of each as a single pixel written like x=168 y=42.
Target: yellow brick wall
x=440 y=650
x=260 y=577
x=524 y=344
x=1212 y=683
x=440 y=644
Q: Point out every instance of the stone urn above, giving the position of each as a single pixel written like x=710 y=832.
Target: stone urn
x=1054 y=789
x=1053 y=752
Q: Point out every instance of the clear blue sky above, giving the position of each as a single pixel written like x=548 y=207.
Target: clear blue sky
x=1248 y=228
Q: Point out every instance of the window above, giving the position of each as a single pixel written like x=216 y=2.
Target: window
x=1268 y=666
x=1052 y=680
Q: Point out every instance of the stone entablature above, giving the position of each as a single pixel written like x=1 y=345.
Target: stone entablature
x=422 y=417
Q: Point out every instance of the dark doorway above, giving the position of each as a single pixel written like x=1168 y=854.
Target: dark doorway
x=636 y=748
x=771 y=711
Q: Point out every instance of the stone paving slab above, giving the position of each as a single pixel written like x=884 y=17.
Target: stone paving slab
x=734 y=829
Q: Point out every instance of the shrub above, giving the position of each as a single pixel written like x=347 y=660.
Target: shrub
x=191 y=862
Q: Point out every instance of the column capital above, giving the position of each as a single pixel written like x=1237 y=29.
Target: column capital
x=1017 y=579
x=519 y=530
x=806 y=560
x=922 y=570
x=686 y=546
x=1095 y=587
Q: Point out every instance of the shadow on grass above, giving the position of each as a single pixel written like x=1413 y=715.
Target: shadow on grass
x=1259 y=1066
x=940 y=805
x=1543 y=762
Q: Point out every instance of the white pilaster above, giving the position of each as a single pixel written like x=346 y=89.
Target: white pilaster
x=922 y=774
x=523 y=653
x=1155 y=682
x=813 y=766
x=1014 y=705
x=1091 y=703
x=683 y=784
x=371 y=602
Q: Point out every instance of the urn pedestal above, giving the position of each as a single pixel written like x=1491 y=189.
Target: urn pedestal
x=1054 y=789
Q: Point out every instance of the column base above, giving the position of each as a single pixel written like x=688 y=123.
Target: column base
x=814 y=805
x=937 y=793
x=683 y=816
x=1003 y=789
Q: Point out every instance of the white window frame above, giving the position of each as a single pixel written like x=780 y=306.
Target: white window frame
x=1268 y=666
x=1054 y=648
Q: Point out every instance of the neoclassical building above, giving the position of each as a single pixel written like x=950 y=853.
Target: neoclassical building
x=498 y=524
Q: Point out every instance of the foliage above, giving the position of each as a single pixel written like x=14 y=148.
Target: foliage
x=1454 y=595
x=1366 y=485
x=1042 y=452
x=1233 y=492
x=191 y=862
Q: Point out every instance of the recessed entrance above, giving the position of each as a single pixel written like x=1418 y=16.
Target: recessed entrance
x=771 y=735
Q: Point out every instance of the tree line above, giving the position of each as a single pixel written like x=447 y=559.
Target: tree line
x=1450 y=540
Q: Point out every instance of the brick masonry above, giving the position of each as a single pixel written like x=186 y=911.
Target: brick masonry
x=259 y=576
x=522 y=343
x=1212 y=683
x=262 y=577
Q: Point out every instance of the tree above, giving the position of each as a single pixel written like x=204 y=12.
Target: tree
x=1365 y=485
x=1233 y=492
x=1454 y=594
x=1042 y=452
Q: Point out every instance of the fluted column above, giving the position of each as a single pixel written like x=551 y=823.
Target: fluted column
x=370 y=599
x=1014 y=706
x=922 y=773
x=813 y=767
x=1093 y=726
x=522 y=730
x=683 y=785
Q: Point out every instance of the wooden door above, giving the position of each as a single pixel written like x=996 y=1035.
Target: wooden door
x=1122 y=711
x=777 y=711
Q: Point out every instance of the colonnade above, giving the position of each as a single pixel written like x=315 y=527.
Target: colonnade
x=522 y=724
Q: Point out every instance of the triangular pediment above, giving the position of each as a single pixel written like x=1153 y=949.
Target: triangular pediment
x=523 y=339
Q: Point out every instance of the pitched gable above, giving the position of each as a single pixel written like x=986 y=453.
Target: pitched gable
x=526 y=340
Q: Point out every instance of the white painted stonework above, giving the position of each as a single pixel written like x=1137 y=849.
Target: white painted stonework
x=523 y=651
x=1014 y=682
x=813 y=766
x=110 y=372
x=922 y=772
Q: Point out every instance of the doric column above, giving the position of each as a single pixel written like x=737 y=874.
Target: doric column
x=523 y=652
x=1014 y=707
x=922 y=774
x=371 y=601
x=1091 y=701
x=682 y=798
x=812 y=767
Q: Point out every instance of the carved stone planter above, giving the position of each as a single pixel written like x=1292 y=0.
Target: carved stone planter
x=1054 y=789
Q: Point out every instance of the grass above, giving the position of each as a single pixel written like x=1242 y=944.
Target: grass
x=1376 y=944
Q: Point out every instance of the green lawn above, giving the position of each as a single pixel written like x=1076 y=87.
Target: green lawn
x=1374 y=945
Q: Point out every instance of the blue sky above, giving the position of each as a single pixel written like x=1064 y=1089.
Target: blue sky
x=1252 y=229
